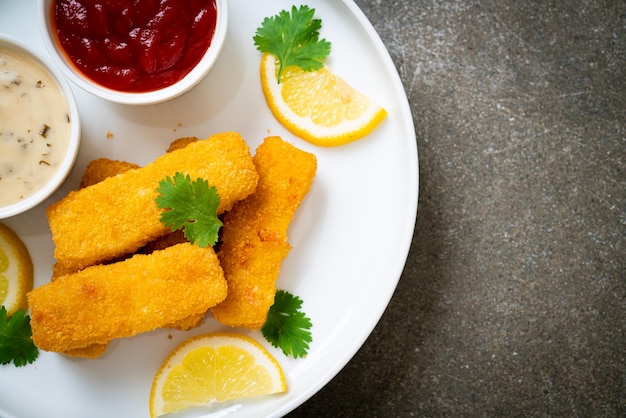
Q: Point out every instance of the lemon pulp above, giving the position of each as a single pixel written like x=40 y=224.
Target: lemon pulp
x=16 y=271
x=318 y=106
x=214 y=368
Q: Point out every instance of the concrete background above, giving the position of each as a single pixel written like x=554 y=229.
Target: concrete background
x=513 y=298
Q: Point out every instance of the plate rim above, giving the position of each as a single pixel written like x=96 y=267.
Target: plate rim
x=408 y=128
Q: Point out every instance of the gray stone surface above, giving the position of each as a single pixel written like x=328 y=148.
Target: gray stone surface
x=513 y=298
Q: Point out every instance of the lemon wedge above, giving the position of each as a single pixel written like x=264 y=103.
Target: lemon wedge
x=318 y=106
x=213 y=368
x=16 y=271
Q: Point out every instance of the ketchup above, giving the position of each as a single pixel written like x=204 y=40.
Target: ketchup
x=135 y=45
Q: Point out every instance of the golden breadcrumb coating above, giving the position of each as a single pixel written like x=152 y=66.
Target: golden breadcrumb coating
x=91 y=351
x=102 y=168
x=124 y=208
x=96 y=171
x=254 y=235
x=96 y=350
x=173 y=238
x=118 y=300
x=181 y=143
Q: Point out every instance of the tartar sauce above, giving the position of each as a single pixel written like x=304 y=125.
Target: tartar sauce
x=34 y=126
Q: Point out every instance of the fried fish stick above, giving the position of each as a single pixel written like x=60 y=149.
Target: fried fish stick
x=96 y=350
x=91 y=351
x=103 y=168
x=254 y=235
x=125 y=208
x=96 y=171
x=140 y=294
x=181 y=143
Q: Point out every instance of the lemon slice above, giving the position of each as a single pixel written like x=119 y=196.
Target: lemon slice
x=214 y=368
x=318 y=106
x=16 y=271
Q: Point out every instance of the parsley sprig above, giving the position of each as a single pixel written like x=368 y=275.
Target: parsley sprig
x=16 y=344
x=293 y=38
x=287 y=327
x=192 y=208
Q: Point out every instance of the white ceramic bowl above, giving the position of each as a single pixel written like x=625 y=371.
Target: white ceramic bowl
x=59 y=176
x=190 y=80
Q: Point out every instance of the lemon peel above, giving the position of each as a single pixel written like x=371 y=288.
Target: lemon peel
x=318 y=106
x=16 y=271
x=212 y=368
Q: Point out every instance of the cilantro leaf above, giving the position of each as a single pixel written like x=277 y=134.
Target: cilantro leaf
x=287 y=327
x=16 y=342
x=192 y=207
x=293 y=39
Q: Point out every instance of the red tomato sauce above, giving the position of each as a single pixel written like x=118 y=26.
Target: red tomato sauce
x=135 y=45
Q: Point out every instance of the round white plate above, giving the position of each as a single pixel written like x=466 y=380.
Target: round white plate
x=350 y=237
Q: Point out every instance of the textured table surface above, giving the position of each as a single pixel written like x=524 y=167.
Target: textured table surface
x=513 y=298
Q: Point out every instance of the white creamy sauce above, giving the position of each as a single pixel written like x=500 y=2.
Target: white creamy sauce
x=34 y=127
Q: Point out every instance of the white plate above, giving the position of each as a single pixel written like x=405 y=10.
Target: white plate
x=350 y=237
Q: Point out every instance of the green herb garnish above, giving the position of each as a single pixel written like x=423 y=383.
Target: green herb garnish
x=293 y=39
x=192 y=208
x=287 y=327
x=16 y=343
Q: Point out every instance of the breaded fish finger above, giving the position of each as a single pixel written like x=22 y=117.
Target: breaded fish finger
x=254 y=235
x=96 y=350
x=181 y=143
x=102 y=168
x=124 y=208
x=96 y=171
x=118 y=300
x=91 y=351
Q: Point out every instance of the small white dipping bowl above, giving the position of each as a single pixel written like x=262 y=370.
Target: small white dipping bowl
x=50 y=39
x=57 y=178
